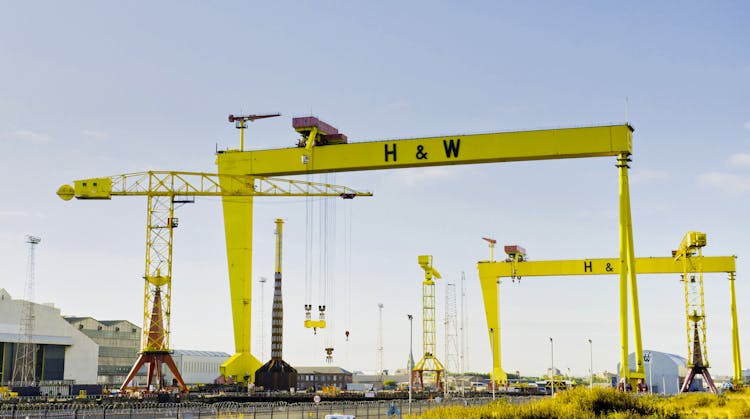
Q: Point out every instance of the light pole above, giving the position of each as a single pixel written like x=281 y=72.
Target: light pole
x=492 y=355
x=411 y=359
x=591 y=364
x=647 y=358
x=552 y=361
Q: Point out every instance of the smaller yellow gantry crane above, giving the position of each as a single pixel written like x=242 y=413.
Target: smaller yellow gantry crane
x=164 y=189
x=690 y=253
x=428 y=363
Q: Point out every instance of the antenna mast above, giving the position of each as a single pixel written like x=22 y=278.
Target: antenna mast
x=24 y=364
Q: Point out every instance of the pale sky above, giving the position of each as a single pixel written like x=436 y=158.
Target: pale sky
x=95 y=89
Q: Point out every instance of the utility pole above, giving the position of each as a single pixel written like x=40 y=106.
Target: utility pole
x=464 y=331
x=380 y=342
x=451 y=338
x=591 y=364
x=24 y=364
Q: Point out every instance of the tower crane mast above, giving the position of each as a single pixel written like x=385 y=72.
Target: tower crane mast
x=163 y=190
x=429 y=362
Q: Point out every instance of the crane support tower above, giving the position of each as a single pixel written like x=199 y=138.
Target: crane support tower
x=163 y=190
x=429 y=362
x=24 y=364
x=690 y=253
x=276 y=374
x=314 y=156
x=516 y=267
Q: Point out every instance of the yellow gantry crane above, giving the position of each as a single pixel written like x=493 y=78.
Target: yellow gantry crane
x=322 y=149
x=516 y=266
x=164 y=189
x=429 y=362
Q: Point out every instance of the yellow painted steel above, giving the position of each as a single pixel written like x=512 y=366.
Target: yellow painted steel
x=598 y=141
x=163 y=189
x=599 y=266
x=431 y=151
x=491 y=272
x=738 y=379
x=429 y=361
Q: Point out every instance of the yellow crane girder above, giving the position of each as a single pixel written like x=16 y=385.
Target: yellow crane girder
x=165 y=188
x=563 y=143
x=490 y=273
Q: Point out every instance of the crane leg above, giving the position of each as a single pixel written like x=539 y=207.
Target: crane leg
x=492 y=310
x=238 y=227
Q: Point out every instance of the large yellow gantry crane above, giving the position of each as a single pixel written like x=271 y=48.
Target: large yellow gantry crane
x=323 y=149
x=515 y=266
x=165 y=189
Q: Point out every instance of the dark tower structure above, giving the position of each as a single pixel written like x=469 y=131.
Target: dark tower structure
x=277 y=374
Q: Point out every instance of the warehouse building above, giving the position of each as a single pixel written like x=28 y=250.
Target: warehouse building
x=316 y=378
x=63 y=353
x=665 y=372
x=119 y=342
x=197 y=367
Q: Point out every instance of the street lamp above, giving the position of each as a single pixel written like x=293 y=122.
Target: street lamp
x=647 y=358
x=591 y=365
x=411 y=359
x=552 y=361
x=492 y=356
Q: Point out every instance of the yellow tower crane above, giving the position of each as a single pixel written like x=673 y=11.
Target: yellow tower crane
x=517 y=266
x=429 y=362
x=690 y=254
x=164 y=189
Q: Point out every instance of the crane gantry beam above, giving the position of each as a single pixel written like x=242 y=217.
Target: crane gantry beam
x=490 y=272
x=310 y=157
x=163 y=189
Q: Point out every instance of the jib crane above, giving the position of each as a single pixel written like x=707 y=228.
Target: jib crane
x=322 y=149
x=516 y=266
x=689 y=253
x=428 y=362
x=164 y=189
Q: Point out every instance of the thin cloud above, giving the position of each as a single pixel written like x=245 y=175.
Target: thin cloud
x=511 y=108
x=650 y=175
x=28 y=136
x=19 y=214
x=725 y=182
x=426 y=175
x=96 y=135
x=747 y=125
x=739 y=160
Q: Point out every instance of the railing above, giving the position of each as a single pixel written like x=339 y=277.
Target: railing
x=231 y=410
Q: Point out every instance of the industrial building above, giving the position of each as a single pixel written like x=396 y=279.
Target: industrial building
x=317 y=377
x=665 y=372
x=119 y=343
x=63 y=353
x=197 y=367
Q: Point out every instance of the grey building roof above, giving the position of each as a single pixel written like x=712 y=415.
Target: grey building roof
x=190 y=352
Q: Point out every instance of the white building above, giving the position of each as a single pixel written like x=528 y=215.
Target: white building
x=665 y=372
x=196 y=367
x=63 y=352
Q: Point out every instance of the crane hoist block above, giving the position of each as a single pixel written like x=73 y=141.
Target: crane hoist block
x=94 y=188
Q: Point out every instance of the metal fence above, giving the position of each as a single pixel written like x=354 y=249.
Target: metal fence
x=229 y=410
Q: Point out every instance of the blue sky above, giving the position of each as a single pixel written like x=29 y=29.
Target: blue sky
x=92 y=89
